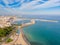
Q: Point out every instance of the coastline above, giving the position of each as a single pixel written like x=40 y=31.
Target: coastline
x=22 y=39
x=19 y=39
x=25 y=38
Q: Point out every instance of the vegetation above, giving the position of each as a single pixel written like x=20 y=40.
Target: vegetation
x=0 y=40
x=9 y=40
x=5 y=31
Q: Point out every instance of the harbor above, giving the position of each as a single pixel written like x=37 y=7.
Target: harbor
x=19 y=38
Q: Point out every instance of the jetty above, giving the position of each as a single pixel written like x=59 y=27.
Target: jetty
x=36 y=19
x=29 y=23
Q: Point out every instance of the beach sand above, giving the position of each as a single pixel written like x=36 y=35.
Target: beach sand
x=22 y=39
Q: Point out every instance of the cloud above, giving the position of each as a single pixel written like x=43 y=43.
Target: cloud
x=48 y=4
x=30 y=4
x=24 y=6
x=41 y=4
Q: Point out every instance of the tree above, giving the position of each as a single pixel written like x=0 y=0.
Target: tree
x=5 y=31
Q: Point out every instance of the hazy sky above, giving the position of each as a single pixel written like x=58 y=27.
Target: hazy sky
x=33 y=7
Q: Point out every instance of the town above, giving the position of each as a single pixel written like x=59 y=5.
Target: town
x=5 y=21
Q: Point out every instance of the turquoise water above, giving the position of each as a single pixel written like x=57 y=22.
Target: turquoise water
x=43 y=33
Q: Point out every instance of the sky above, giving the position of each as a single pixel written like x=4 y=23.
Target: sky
x=30 y=7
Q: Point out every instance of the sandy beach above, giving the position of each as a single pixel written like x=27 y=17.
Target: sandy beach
x=22 y=39
x=19 y=39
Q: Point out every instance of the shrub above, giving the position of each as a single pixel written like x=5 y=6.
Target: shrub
x=5 y=31
x=9 y=40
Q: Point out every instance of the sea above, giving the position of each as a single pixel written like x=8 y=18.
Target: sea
x=43 y=33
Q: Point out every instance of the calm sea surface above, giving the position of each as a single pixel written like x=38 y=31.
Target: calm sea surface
x=43 y=33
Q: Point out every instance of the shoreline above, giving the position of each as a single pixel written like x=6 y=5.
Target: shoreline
x=25 y=38
x=22 y=39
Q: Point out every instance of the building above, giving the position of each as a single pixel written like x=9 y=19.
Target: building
x=5 y=21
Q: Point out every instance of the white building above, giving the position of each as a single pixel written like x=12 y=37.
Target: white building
x=5 y=21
